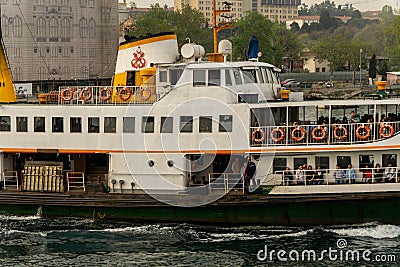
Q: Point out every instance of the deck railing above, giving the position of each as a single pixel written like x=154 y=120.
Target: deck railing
x=340 y=176
x=104 y=95
x=225 y=182
x=76 y=181
x=9 y=180
x=334 y=134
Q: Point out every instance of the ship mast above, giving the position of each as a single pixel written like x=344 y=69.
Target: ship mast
x=7 y=93
x=220 y=26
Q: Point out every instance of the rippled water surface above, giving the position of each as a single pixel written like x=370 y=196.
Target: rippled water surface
x=35 y=241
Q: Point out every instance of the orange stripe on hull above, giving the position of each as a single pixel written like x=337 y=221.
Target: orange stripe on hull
x=220 y=152
x=148 y=41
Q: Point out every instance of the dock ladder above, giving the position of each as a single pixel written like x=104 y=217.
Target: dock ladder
x=9 y=180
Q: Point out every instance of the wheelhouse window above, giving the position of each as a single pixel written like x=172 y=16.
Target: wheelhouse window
x=166 y=125
x=22 y=124
x=249 y=75
x=75 y=125
x=228 y=78
x=225 y=123
x=94 y=125
x=199 y=77
x=128 y=124
x=214 y=77
x=186 y=124
x=148 y=124
x=57 y=124
x=110 y=124
x=175 y=75
x=237 y=77
x=39 y=124
x=205 y=124
x=5 y=123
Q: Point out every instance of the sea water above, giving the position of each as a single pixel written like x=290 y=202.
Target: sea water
x=36 y=241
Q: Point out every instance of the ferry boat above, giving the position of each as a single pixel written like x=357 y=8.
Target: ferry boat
x=170 y=139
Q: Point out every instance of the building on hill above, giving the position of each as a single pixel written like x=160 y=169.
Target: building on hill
x=275 y=10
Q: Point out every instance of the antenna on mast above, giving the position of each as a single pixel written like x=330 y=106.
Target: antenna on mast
x=218 y=27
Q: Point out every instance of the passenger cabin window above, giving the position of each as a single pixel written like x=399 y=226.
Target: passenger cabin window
x=22 y=124
x=249 y=76
x=323 y=162
x=228 y=79
x=148 y=124
x=128 y=124
x=5 y=123
x=110 y=124
x=214 y=78
x=366 y=161
x=75 y=125
x=175 y=75
x=166 y=125
x=205 y=124
x=199 y=77
x=39 y=124
x=57 y=124
x=225 y=123
x=299 y=161
x=94 y=125
x=236 y=75
x=186 y=124
x=389 y=158
x=279 y=164
x=270 y=75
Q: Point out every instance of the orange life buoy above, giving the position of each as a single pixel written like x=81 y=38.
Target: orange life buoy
x=260 y=138
x=107 y=95
x=124 y=93
x=67 y=94
x=86 y=94
x=316 y=136
x=144 y=96
x=383 y=130
x=363 y=132
x=297 y=138
x=280 y=137
x=340 y=136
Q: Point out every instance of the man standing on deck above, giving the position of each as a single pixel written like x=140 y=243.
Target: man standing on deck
x=249 y=173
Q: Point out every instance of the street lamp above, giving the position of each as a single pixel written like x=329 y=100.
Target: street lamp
x=360 y=65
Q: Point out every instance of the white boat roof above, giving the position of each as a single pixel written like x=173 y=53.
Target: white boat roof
x=219 y=65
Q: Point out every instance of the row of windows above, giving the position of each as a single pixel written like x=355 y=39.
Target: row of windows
x=53 y=27
x=110 y=124
x=280 y=164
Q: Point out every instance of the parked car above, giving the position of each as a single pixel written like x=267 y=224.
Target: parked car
x=292 y=84
x=286 y=81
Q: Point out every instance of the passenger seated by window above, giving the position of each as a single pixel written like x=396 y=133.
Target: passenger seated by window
x=287 y=176
x=378 y=173
x=300 y=175
x=339 y=175
x=390 y=174
x=367 y=174
x=319 y=175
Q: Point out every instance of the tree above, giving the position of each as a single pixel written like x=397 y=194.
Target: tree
x=372 y=67
x=254 y=24
x=333 y=49
x=392 y=40
x=186 y=23
x=387 y=14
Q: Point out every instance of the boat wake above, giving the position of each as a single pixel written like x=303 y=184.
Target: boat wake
x=377 y=231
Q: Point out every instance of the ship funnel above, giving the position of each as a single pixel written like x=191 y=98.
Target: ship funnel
x=192 y=51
